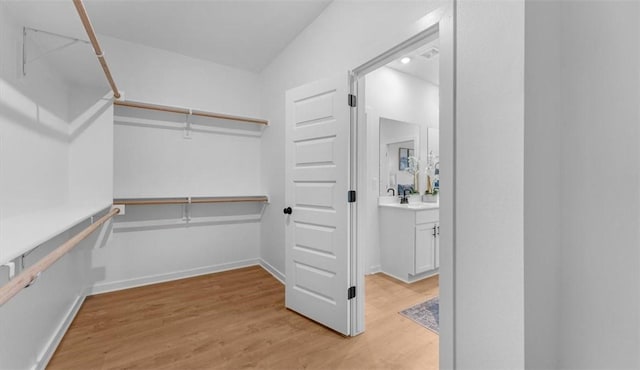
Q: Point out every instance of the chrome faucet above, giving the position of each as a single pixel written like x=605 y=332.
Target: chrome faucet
x=404 y=199
x=393 y=194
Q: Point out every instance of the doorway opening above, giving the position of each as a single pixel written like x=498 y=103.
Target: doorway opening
x=399 y=185
x=404 y=101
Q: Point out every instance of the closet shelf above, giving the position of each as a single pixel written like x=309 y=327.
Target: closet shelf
x=169 y=109
x=23 y=233
x=192 y=200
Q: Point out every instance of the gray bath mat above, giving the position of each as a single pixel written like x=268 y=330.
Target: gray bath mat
x=426 y=314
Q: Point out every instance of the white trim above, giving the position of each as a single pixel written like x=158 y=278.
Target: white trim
x=177 y=275
x=427 y=28
x=50 y=348
x=412 y=279
x=273 y=271
x=443 y=20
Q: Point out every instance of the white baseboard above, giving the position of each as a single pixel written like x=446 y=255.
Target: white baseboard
x=56 y=338
x=273 y=271
x=413 y=279
x=161 y=278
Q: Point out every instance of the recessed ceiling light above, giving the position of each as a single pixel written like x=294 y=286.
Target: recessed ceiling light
x=405 y=60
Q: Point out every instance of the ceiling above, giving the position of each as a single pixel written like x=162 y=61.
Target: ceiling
x=245 y=34
x=424 y=64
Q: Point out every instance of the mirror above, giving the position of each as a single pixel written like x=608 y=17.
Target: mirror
x=399 y=145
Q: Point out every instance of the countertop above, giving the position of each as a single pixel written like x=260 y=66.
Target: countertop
x=412 y=206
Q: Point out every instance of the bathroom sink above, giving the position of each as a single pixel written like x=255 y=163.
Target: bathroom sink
x=388 y=200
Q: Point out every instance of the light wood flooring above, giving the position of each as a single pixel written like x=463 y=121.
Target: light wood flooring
x=236 y=319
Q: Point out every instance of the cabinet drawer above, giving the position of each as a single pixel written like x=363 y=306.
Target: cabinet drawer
x=423 y=217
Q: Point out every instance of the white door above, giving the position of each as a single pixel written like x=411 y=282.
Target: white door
x=316 y=217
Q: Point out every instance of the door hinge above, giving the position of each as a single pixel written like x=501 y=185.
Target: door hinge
x=351 y=292
x=352 y=100
x=351 y=196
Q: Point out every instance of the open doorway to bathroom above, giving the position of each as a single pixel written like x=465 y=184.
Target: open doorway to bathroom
x=402 y=181
x=397 y=221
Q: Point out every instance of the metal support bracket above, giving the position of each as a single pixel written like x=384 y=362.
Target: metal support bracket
x=186 y=210
x=12 y=269
x=187 y=125
x=26 y=60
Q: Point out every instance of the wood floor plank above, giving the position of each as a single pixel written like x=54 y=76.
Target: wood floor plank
x=237 y=319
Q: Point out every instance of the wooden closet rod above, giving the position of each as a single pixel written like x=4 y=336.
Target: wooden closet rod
x=195 y=200
x=165 y=108
x=26 y=277
x=96 y=46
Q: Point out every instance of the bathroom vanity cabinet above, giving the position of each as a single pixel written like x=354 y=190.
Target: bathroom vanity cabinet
x=409 y=241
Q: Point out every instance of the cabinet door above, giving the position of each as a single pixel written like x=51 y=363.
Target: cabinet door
x=426 y=236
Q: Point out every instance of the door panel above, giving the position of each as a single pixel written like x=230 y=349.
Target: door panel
x=317 y=244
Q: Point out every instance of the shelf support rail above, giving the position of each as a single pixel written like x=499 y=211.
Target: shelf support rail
x=188 y=111
x=86 y=22
x=30 y=274
x=189 y=200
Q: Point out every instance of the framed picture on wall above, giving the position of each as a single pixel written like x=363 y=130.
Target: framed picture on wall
x=403 y=161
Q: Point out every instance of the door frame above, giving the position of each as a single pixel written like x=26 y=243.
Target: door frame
x=442 y=21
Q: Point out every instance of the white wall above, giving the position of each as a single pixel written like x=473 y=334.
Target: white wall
x=153 y=159
x=35 y=320
x=489 y=276
x=582 y=168
x=55 y=171
x=401 y=97
x=600 y=261
x=162 y=77
x=543 y=190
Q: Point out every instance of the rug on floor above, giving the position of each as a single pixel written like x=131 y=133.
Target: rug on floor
x=425 y=314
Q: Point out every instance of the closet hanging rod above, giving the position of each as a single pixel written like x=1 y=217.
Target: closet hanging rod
x=86 y=22
x=165 y=108
x=29 y=275
x=187 y=200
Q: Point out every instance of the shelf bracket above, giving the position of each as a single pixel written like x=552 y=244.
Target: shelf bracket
x=12 y=269
x=25 y=38
x=187 y=125
x=186 y=210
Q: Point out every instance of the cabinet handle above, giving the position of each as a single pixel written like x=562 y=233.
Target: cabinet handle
x=287 y=211
x=438 y=229
x=435 y=228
